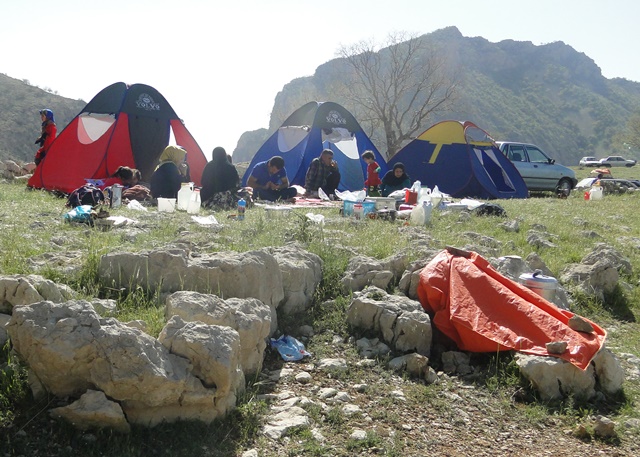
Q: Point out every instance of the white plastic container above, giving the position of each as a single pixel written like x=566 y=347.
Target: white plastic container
x=595 y=193
x=421 y=214
x=184 y=195
x=166 y=205
x=545 y=286
x=193 y=207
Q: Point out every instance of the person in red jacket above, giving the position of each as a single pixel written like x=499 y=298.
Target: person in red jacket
x=47 y=135
x=373 y=177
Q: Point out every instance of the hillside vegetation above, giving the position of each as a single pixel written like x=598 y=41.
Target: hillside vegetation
x=20 y=103
x=491 y=413
x=550 y=95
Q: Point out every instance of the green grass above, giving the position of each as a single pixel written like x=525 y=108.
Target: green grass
x=31 y=226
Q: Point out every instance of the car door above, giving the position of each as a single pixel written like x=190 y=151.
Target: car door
x=518 y=156
x=543 y=174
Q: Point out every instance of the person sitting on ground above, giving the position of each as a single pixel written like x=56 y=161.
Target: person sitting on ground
x=125 y=176
x=220 y=181
x=323 y=173
x=166 y=180
x=395 y=179
x=373 y=169
x=47 y=134
x=270 y=182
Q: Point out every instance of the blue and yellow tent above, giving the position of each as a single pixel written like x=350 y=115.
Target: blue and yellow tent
x=463 y=161
x=312 y=128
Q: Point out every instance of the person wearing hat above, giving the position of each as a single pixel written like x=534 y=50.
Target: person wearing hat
x=47 y=134
x=323 y=173
x=170 y=173
x=395 y=179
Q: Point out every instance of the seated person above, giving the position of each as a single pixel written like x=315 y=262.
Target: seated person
x=220 y=181
x=125 y=176
x=323 y=173
x=395 y=179
x=269 y=181
x=166 y=180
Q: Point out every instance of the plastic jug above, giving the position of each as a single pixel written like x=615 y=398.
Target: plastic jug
x=425 y=195
x=193 y=207
x=421 y=214
x=184 y=195
x=242 y=206
x=595 y=193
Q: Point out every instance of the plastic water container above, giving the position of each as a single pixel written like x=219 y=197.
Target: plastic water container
x=595 y=193
x=193 y=207
x=166 y=205
x=545 y=286
x=184 y=195
x=421 y=214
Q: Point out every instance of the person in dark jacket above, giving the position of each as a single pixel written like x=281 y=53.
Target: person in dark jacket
x=166 y=180
x=219 y=175
x=47 y=134
x=323 y=173
x=395 y=179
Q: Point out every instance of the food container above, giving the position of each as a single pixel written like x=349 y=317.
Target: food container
x=382 y=202
x=274 y=211
x=367 y=207
x=545 y=286
x=167 y=205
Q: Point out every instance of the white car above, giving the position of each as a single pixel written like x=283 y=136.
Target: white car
x=589 y=162
x=616 y=161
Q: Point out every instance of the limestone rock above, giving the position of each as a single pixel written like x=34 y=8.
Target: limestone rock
x=93 y=411
x=401 y=321
x=365 y=271
x=252 y=274
x=248 y=316
x=301 y=273
x=554 y=378
x=70 y=349
x=16 y=290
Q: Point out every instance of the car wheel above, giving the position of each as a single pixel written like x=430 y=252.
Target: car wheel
x=564 y=186
x=629 y=165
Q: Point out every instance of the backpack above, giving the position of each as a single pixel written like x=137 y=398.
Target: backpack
x=489 y=209
x=88 y=194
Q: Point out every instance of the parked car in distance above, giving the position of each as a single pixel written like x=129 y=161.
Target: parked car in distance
x=539 y=171
x=616 y=161
x=589 y=162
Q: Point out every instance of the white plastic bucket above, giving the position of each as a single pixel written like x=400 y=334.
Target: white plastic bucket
x=595 y=193
x=166 y=205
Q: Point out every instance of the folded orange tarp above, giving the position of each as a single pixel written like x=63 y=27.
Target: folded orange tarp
x=484 y=311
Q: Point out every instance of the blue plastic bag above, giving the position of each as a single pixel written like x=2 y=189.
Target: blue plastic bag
x=79 y=214
x=289 y=348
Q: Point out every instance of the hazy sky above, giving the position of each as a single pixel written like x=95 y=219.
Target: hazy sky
x=221 y=64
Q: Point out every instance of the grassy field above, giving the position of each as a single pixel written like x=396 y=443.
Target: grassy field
x=31 y=226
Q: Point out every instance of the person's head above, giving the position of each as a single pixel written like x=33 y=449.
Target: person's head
x=46 y=115
x=368 y=156
x=175 y=154
x=219 y=153
x=128 y=176
x=398 y=169
x=275 y=164
x=326 y=156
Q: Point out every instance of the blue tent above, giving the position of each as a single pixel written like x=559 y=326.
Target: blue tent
x=312 y=128
x=463 y=161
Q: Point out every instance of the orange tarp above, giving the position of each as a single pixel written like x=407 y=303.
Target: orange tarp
x=484 y=311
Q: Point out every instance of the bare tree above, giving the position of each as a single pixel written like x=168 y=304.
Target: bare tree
x=398 y=86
